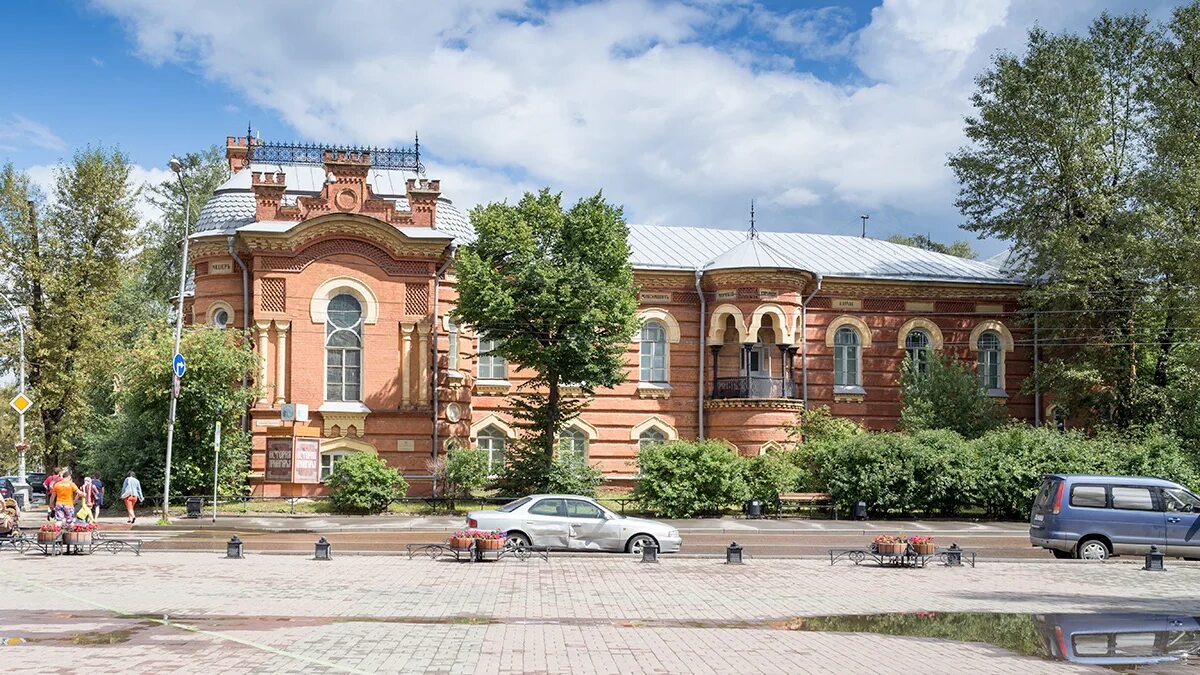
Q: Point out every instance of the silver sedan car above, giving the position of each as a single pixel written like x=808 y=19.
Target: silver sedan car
x=575 y=523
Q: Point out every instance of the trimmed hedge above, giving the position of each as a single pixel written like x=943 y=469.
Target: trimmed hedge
x=933 y=472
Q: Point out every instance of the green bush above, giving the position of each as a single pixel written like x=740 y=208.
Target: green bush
x=768 y=475
x=681 y=479
x=573 y=476
x=364 y=483
x=946 y=396
x=465 y=470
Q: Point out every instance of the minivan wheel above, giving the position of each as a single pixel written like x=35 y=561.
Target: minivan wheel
x=1093 y=549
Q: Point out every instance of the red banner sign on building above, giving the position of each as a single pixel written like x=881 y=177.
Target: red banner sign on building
x=279 y=459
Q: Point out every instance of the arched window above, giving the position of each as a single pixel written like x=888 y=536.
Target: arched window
x=846 y=358
x=573 y=441
x=650 y=437
x=492 y=440
x=654 y=352
x=452 y=344
x=491 y=366
x=1059 y=418
x=343 y=349
x=990 y=354
x=917 y=344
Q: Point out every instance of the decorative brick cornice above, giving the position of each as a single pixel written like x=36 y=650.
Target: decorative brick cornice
x=784 y=280
x=655 y=280
x=920 y=289
x=362 y=227
x=754 y=403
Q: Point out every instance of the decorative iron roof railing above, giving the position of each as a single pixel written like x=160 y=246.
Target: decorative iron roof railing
x=403 y=159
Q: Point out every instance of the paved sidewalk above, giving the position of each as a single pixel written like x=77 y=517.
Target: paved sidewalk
x=178 y=612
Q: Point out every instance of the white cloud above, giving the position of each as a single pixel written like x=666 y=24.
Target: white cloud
x=640 y=98
x=20 y=131
x=140 y=178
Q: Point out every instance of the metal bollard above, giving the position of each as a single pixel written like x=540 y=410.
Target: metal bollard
x=233 y=549
x=733 y=554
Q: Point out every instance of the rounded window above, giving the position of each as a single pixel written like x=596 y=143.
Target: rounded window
x=220 y=318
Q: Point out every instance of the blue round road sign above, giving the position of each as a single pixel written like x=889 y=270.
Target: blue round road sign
x=179 y=365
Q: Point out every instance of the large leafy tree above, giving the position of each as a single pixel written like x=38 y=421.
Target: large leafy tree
x=133 y=436
x=555 y=290
x=63 y=257
x=1057 y=165
x=162 y=239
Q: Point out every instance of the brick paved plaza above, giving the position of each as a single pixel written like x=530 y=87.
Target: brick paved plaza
x=190 y=612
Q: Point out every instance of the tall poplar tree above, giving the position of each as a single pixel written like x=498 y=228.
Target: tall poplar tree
x=554 y=289
x=63 y=258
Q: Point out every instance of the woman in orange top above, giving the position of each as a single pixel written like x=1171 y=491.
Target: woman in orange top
x=62 y=497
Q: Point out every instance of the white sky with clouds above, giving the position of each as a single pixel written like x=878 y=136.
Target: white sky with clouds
x=682 y=112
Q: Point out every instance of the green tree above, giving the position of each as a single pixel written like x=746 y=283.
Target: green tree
x=946 y=395
x=64 y=258
x=364 y=483
x=133 y=436
x=554 y=289
x=1082 y=155
x=162 y=239
x=961 y=248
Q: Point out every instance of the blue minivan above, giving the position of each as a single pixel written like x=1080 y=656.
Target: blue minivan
x=1094 y=517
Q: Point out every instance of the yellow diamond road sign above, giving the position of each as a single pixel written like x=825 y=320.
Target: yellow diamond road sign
x=21 y=403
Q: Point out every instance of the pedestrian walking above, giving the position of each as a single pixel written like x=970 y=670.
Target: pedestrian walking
x=53 y=478
x=91 y=498
x=62 y=498
x=131 y=492
x=99 y=490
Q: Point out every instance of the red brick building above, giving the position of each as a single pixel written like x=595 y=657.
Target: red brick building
x=339 y=263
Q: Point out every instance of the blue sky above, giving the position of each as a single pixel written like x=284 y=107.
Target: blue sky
x=683 y=112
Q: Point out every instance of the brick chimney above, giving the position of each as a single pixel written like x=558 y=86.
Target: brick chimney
x=422 y=200
x=268 y=194
x=237 y=153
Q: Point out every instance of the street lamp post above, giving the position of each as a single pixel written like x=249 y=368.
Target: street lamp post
x=177 y=167
x=22 y=485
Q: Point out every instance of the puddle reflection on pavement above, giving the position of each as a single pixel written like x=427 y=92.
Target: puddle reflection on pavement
x=1112 y=640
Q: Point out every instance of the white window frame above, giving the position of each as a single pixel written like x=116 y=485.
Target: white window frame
x=652 y=351
x=919 y=354
x=990 y=363
x=653 y=432
x=333 y=458
x=357 y=329
x=452 y=334
x=573 y=441
x=491 y=434
x=488 y=365
x=843 y=375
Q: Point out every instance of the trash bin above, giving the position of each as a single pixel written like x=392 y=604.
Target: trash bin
x=194 y=504
x=754 y=509
x=860 y=511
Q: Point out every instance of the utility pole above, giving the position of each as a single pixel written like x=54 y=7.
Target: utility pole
x=177 y=167
x=21 y=403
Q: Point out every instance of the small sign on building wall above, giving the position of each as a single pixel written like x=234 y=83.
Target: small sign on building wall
x=767 y=294
x=220 y=267
x=654 y=297
x=847 y=303
x=307 y=460
x=279 y=460
x=727 y=295
x=405 y=445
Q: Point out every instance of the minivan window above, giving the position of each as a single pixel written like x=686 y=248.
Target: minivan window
x=1043 y=499
x=1180 y=500
x=1132 y=498
x=1088 y=495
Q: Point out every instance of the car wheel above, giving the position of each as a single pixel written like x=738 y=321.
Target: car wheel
x=1092 y=549
x=516 y=540
x=639 y=542
x=1062 y=555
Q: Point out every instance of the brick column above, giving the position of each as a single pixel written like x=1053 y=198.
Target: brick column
x=263 y=327
x=281 y=331
x=423 y=346
x=406 y=331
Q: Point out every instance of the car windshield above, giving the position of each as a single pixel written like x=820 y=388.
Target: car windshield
x=513 y=506
x=1181 y=500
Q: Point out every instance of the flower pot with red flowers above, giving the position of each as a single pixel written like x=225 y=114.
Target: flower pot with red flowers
x=461 y=539
x=921 y=545
x=78 y=534
x=49 y=532
x=490 y=541
x=887 y=544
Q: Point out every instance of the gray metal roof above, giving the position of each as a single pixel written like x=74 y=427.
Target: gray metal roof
x=662 y=247
x=232 y=204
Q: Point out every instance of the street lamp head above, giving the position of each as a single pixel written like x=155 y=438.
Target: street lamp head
x=176 y=165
